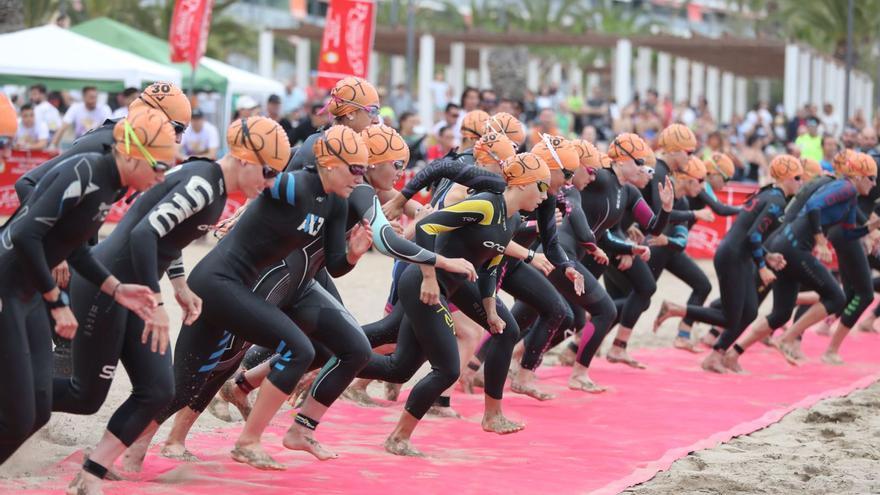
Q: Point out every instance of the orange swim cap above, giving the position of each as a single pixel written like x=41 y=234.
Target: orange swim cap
x=811 y=168
x=350 y=94
x=340 y=146
x=8 y=118
x=508 y=125
x=146 y=134
x=385 y=145
x=720 y=163
x=168 y=99
x=558 y=153
x=605 y=160
x=258 y=140
x=863 y=166
x=677 y=137
x=785 y=167
x=588 y=154
x=525 y=168
x=493 y=148
x=842 y=159
x=651 y=159
x=474 y=124
x=693 y=168
x=628 y=146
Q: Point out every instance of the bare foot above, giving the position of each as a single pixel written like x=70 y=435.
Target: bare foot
x=402 y=446
x=685 y=345
x=232 y=394
x=392 y=391
x=585 y=384
x=662 y=315
x=530 y=389
x=479 y=379
x=466 y=381
x=567 y=357
x=499 y=424
x=731 y=361
x=178 y=451
x=299 y=438
x=832 y=358
x=443 y=412
x=713 y=363
x=787 y=352
x=359 y=396
x=85 y=484
x=133 y=457
x=867 y=325
x=617 y=355
x=220 y=409
x=255 y=456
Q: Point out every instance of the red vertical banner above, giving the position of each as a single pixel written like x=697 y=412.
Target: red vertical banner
x=348 y=41
x=188 y=34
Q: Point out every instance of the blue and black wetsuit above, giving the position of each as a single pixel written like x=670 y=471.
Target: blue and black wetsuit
x=67 y=207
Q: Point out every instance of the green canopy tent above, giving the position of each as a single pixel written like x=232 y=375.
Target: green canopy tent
x=123 y=37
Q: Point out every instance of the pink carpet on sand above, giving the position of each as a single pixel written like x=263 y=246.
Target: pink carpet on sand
x=577 y=443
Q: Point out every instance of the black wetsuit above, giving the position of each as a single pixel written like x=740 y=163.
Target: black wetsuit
x=67 y=207
x=145 y=244
x=739 y=255
x=477 y=228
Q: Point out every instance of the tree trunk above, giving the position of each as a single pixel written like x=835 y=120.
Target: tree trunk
x=11 y=15
x=507 y=69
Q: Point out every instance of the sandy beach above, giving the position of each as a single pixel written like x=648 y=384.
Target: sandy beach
x=831 y=447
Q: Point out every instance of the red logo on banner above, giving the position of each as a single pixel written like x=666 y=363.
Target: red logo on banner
x=188 y=35
x=348 y=41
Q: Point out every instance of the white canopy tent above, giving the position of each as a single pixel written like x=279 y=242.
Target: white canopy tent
x=242 y=82
x=52 y=52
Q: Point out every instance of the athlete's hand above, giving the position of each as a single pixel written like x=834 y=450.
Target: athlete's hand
x=635 y=235
x=360 y=241
x=496 y=324
x=559 y=217
x=599 y=255
x=667 y=194
x=156 y=330
x=65 y=322
x=430 y=291
x=625 y=263
x=775 y=261
x=704 y=215
x=189 y=302
x=423 y=212
x=823 y=252
x=61 y=274
x=394 y=207
x=225 y=226
x=137 y=298
x=643 y=252
x=395 y=225
x=767 y=276
x=541 y=262
x=457 y=265
x=658 y=240
x=576 y=279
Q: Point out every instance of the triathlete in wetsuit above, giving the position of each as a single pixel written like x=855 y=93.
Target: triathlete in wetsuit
x=68 y=207
x=145 y=244
x=739 y=254
x=479 y=227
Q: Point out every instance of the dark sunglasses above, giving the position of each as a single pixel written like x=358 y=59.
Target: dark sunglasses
x=179 y=127
x=639 y=161
x=568 y=174
x=398 y=165
x=591 y=170
x=543 y=186
x=269 y=172
x=797 y=178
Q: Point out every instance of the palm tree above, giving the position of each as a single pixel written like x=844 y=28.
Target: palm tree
x=11 y=15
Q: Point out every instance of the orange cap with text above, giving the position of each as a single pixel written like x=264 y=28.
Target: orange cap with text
x=258 y=140
x=628 y=146
x=473 y=126
x=340 y=145
x=525 y=168
x=385 y=144
x=557 y=152
x=8 y=118
x=677 y=137
x=508 y=125
x=785 y=167
x=168 y=99
x=493 y=148
x=350 y=94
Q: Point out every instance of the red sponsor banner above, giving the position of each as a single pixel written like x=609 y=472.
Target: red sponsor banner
x=704 y=237
x=23 y=161
x=188 y=34
x=348 y=41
